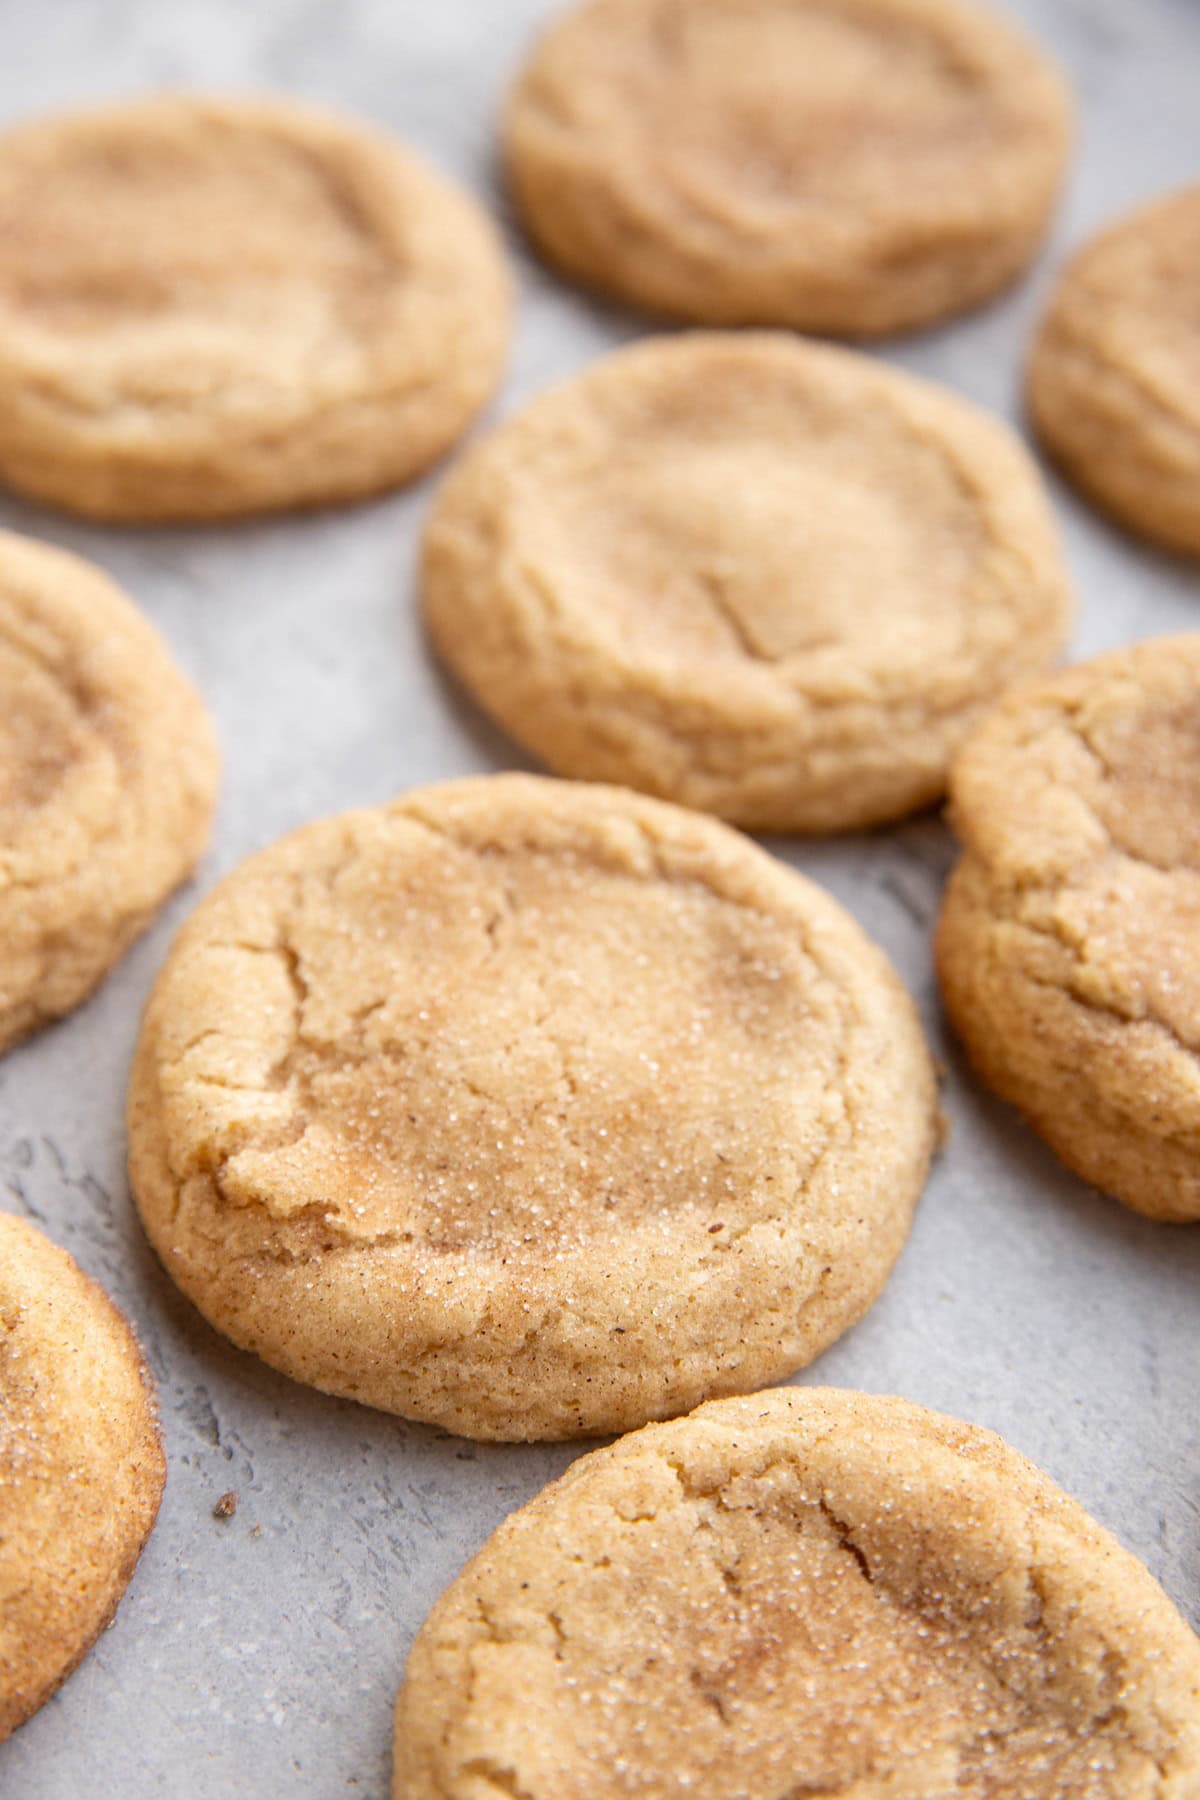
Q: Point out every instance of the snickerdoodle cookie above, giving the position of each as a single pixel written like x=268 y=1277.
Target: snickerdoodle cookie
x=214 y=307
x=797 y=1593
x=1069 y=942
x=853 y=167
x=529 y=1109
x=81 y=1466
x=1114 y=382
x=108 y=772
x=773 y=580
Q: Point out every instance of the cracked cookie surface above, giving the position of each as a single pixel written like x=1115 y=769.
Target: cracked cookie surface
x=108 y=771
x=772 y=580
x=1067 y=946
x=217 y=307
x=1114 y=380
x=81 y=1466
x=529 y=1109
x=802 y=1592
x=849 y=167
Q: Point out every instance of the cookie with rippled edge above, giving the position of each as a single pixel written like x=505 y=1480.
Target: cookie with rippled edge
x=772 y=580
x=804 y=1591
x=1114 y=380
x=529 y=1109
x=1067 y=943
x=211 y=307
x=81 y=1466
x=108 y=773
x=846 y=167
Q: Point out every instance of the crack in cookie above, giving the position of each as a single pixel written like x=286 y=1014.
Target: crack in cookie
x=802 y=1592
x=1067 y=945
x=439 y=1105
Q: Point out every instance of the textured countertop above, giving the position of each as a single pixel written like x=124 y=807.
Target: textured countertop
x=259 y=1655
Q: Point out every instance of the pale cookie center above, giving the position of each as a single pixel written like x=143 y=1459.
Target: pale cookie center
x=507 y=1053
x=787 y=105
x=66 y=760
x=26 y=1425
x=767 y=550
x=1149 y=794
x=1145 y=290
x=185 y=263
x=42 y=738
x=1132 y=923
x=1090 y=817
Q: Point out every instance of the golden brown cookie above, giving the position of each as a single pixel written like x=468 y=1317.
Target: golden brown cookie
x=528 y=1109
x=797 y=1593
x=1069 y=942
x=108 y=772
x=1114 y=382
x=853 y=167
x=81 y=1466
x=768 y=579
x=216 y=307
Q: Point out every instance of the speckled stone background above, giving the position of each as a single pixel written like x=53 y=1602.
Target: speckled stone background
x=259 y=1656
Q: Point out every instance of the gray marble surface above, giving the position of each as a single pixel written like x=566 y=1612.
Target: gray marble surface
x=259 y=1656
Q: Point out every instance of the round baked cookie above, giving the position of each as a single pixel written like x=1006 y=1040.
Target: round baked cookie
x=529 y=1109
x=802 y=1592
x=81 y=1466
x=1069 y=941
x=1114 y=381
x=108 y=773
x=211 y=307
x=772 y=580
x=851 y=167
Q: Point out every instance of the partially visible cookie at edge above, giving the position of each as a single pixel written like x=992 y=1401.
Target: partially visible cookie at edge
x=846 y=167
x=528 y=1109
x=211 y=307
x=1114 y=379
x=769 y=579
x=804 y=1591
x=1067 y=945
x=108 y=772
x=81 y=1466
